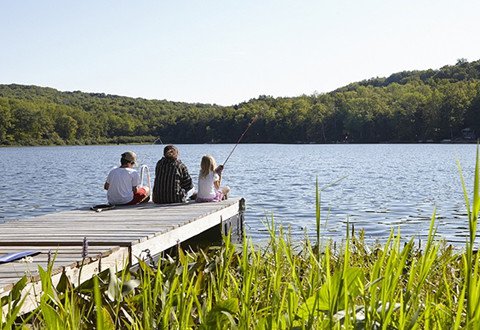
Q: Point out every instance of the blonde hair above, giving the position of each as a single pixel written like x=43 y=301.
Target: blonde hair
x=207 y=165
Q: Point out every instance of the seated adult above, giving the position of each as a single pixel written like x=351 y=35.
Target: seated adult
x=123 y=183
x=172 y=180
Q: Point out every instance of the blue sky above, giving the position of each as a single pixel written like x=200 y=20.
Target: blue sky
x=227 y=52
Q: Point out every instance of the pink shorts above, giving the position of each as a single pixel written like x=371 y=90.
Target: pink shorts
x=218 y=197
x=140 y=196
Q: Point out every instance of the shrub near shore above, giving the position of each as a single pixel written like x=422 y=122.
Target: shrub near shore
x=282 y=285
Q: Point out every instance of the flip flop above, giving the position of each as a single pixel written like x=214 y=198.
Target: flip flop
x=9 y=257
x=102 y=207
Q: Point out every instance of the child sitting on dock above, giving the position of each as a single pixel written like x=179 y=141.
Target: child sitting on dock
x=123 y=183
x=209 y=179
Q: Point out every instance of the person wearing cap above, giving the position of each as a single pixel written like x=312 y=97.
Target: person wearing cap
x=123 y=183
x=172 y=180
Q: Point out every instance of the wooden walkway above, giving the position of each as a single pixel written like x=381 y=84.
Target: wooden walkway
x=116 y=238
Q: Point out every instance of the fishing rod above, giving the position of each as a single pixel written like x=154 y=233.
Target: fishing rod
x=240 y=139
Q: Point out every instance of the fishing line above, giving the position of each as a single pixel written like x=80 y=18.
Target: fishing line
x=240 y=139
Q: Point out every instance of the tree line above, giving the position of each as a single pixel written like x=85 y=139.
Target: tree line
x=409 y=106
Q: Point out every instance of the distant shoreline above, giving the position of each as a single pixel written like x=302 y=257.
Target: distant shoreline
x=214 y=143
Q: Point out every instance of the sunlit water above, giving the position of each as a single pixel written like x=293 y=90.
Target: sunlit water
x=375 y=187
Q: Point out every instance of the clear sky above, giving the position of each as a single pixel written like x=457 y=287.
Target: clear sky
x=227 y=52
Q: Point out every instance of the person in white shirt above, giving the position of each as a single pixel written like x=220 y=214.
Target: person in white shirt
x=123 y=183
x=209 y=179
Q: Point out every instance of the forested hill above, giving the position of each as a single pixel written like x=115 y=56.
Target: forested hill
x=409 y=106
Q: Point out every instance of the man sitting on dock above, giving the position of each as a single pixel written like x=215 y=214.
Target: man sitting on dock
x=123 y=183
x=172 y=180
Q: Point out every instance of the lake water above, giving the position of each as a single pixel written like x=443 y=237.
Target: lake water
x=382 y=186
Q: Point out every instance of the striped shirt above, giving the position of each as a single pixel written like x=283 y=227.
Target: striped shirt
x=172 y=182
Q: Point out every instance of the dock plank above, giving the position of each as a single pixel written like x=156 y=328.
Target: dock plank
x=115 y=237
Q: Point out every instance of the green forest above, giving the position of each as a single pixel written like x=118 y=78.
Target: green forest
x=406 y=107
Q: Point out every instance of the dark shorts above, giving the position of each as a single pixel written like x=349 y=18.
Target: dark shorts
x=140 y=196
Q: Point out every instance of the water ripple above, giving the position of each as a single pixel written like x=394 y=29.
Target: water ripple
x=374 y=187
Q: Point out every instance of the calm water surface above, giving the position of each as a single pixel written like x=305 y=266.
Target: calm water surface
x=381 y=186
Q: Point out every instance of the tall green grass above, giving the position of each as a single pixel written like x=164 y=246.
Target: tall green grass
x=283 y=285
x=471 y=291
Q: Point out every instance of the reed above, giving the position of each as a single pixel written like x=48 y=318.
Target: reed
x=471 y=289
x=283 y=285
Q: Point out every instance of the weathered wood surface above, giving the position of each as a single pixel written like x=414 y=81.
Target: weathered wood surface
x=116 y=237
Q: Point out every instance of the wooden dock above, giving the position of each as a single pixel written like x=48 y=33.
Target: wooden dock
x=116 y=239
